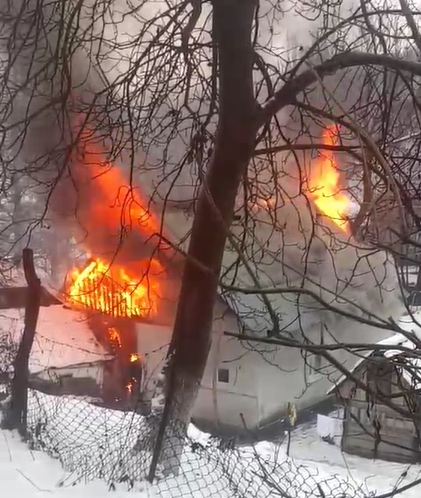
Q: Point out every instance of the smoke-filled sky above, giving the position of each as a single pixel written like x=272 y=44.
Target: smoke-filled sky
x=89 y=74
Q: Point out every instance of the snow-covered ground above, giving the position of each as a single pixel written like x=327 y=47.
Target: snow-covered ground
x=97 y=449
x=30 y=473
x=33 y=474
x=103 y=450
x=377 y=476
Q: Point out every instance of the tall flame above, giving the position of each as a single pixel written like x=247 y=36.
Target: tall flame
x=109 y=206
x=109 y=289
x=111 y=210
x=324 y=183
x=114 y=337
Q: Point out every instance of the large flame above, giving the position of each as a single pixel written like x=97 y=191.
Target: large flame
x=122 y=207
x=110 y=214
x=111 y=290
x=110 y=208
x=324 y=183
x=114 y=336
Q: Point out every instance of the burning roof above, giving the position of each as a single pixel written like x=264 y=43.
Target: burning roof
x=290 y=249
x=310 y=259
x=110 y=289
x=128 y=274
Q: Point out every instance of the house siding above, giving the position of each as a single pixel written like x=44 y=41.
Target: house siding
x=218 y=404
x=372 y=429
x=262 y=379
x=285 y=376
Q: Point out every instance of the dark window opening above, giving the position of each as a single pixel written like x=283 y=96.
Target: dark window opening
x=223 y=375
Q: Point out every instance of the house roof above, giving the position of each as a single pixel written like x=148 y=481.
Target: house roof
x=343 y=273
x=63 y=338
x=388 y=343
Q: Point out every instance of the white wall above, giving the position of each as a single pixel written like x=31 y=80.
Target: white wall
x=217 y=402
x=262 y=379
x=220 y=402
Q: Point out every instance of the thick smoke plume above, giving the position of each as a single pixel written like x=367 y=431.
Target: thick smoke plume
x=84 y=194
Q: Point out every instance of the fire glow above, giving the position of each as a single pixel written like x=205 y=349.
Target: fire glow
x=110 y=290
x=113 y=208
x=134 y=357
x=114 y=336
x=111 y=202
x=324 y=183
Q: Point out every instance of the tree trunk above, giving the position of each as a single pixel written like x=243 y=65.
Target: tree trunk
x=17 y=417
x=234 y=144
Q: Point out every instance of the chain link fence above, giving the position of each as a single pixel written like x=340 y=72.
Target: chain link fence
x=93 y=442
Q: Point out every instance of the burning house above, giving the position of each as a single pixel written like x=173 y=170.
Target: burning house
x=128 y=284
x=115 y=303
x=128 y=287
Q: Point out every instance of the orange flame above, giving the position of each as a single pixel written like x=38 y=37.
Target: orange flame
x=134 y=357
x=106 y=194
x=111 y=290
x=114 y=336
x=111 y=207
x=324 y=184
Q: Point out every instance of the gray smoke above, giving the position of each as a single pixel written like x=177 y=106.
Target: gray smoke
x=49 y=97
x=290 y=251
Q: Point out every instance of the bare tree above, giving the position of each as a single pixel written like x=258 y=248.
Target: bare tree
x=209 y=107
x=207 y=252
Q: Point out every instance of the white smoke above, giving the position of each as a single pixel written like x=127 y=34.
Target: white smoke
x=286 y=253
x=290 y=251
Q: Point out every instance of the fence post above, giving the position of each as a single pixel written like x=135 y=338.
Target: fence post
x=20 y=382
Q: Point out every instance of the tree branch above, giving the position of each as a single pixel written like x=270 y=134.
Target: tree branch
x=351 y=150
x=317 y=348
x=385 y=324
x=288 y=93
x=406 y=10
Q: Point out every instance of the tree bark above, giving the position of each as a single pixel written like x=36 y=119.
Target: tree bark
x=234 y=144
x=19 y=399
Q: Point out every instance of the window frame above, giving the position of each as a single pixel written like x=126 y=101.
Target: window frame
x=222 y=374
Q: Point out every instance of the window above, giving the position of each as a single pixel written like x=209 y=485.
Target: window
x=223 y=375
